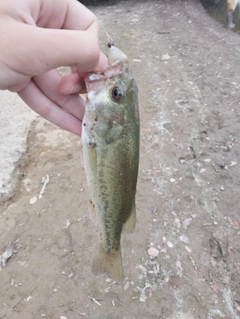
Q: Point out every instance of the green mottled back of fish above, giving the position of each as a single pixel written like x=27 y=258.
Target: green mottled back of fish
x=110 y=142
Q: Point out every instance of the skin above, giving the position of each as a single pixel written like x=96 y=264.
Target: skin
x=36 y=38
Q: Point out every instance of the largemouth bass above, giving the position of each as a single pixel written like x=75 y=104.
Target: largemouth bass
x=110 y=142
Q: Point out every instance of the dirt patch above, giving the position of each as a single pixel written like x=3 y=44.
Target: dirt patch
x=187 y=68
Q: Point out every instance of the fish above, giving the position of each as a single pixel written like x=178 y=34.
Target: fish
x=110 y=148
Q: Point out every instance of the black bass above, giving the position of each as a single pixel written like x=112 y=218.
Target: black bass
x=110 y=142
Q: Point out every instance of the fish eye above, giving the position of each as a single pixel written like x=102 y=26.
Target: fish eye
x=117 y=94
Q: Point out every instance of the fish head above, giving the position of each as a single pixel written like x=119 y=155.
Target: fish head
x=110 y=90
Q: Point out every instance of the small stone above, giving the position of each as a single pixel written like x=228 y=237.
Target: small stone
x=170 y=245
x=184 y=239
x=153 y=252
x=33 y=200
x=233 y=163
x=213 y=286
x=182 y=160
x=187 y=222
x=165 y=57
x=126 y=286
x=141 y=267
x=188 y=249
x=207 y=160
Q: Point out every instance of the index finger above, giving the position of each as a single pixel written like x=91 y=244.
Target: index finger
x=78 y=17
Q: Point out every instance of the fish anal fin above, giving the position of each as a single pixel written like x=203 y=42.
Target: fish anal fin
x=130 y=224
x=109 y=263
x=92 y=213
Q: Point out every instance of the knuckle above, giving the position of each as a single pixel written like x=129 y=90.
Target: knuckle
x=45 y=111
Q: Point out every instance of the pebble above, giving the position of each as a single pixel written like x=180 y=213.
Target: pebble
x=126 y=286
x=33 y=200
x=165 y=57
x=153 y=252
x=188 y=249
x=207 y=160
x=170 y=245
x=184 y=239
x=187 y=222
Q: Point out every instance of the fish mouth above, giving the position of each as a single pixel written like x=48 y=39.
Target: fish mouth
x=117 y=64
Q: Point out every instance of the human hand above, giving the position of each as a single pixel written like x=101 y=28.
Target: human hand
x=36 y=38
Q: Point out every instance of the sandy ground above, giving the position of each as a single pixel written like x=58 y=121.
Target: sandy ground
x=187 y=67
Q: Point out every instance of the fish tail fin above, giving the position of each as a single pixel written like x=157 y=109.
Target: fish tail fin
x=109 y=263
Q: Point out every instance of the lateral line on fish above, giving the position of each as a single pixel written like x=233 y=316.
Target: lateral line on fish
x=110 y=39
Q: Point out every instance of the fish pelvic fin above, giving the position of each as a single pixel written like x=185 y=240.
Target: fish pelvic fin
x=109 y=263
x=130 y=224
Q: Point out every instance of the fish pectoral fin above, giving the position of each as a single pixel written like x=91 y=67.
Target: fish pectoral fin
x=130 y=224
x=92 y=213
x=109 y=263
